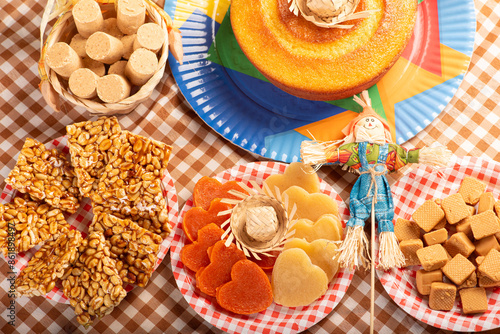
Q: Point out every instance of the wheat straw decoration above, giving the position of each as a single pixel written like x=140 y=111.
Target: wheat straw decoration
x=259 y=224
x=329 y=13
x=52 y=86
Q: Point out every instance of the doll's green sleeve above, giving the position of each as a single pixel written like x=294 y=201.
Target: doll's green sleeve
x=398 y=157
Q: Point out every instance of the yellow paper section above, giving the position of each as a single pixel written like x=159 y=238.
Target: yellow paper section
x=403 y=80
x=215 y=9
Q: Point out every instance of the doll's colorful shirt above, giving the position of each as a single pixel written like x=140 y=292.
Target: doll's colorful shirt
x=396 y=156
x=363 y=157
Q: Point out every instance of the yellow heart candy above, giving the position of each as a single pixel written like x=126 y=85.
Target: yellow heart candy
x=310 y=206
x=323 y=253
x=296 y=174
x=295 y=280
x=326 y=227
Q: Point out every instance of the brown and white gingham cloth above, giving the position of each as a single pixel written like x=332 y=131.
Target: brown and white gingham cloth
x=469 y=125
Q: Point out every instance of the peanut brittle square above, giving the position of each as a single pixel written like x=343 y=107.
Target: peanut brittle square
x=130 y=185
x=91 y=145
x=135 y=248
x=50 y=263
x=45 y=175
x=93 y=285
x=25 y=224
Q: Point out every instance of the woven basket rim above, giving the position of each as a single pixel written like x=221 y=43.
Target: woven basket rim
x=260 y=246
x=65 y=20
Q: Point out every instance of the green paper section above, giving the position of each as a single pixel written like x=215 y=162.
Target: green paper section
x=226 y=52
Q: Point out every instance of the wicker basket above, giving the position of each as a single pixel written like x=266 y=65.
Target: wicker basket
x=53 y=86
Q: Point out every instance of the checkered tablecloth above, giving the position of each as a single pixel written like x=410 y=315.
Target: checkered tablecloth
x=469 y=125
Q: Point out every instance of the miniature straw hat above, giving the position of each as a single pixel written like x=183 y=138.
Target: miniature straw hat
x=259 y=224
x=328 y=13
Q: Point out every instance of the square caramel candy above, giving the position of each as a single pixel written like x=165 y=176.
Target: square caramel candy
x=486 y=202
x=409 y=248
x=471 y=189
x=479 y=260
x=440 y=225
x=464 y=226
x=484 y=224
x=426 y=278
x=470 y=282
x=458 y=269
x=442 y=296
x=406 y=230
x=432 y=257
x=458 y=243
x=491 y=265
x=436 y=237
x=428 y=215
x=486 y=282
x=484 y=245
x=497 y=208
x=474 y=300
x=455 y=208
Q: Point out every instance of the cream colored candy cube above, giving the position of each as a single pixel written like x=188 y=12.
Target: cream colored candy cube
x=406 y=230
x=428 y=215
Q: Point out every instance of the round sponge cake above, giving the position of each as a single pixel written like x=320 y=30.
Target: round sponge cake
x=322 y=63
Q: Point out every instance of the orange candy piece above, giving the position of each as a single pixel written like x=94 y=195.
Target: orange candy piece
x=249 y=290
x=207 y=189
x=218 y=272
x=195 y=255
x=197 y=217
x=266 y=262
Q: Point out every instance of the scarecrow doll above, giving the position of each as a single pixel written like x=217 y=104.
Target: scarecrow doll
x=368 y=150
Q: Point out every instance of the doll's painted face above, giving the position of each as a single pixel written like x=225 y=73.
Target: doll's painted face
x=370 y=129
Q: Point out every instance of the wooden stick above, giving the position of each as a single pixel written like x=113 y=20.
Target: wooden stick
x=372 y=289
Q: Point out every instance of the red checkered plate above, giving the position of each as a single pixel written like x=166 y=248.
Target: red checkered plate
x=83 y=217
x=276 y=318
x=410 y=192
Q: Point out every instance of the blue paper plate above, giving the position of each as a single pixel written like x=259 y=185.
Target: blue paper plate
x=235 y=100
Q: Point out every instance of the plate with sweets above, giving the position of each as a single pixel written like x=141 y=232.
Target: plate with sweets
x=232 y=97
x=276 y=318
x=410 y=192
x=82 y=218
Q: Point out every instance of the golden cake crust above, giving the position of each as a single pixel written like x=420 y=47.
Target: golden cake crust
x=322 y=63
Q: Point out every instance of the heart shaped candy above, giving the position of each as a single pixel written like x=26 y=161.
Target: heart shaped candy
x=326 y=227
x=249 y=290
x=296 y=174
x=207 y=189
x=310 y=206
x=195 y=255
x=295 y=280
x=196 y=218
